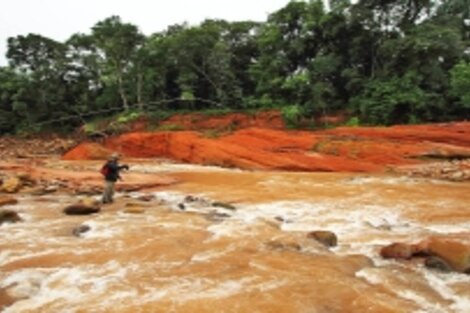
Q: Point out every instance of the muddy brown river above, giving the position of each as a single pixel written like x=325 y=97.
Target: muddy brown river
x=199 y=258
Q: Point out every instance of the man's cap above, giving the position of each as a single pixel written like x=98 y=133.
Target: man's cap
x=114 y=156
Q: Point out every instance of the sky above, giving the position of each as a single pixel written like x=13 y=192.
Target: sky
x=59 y=19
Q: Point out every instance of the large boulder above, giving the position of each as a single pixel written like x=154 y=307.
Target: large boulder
x=327 y=238
x=8 y=216
x=453 y=251
x=445 y=253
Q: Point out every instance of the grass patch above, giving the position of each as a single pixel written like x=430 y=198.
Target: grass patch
x=170 y=127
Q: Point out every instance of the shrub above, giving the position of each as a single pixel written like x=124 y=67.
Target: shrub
x=292 y=115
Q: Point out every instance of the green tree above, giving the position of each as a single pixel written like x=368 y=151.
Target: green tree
x=460 y=83
x=118 y=43
x=43 y=60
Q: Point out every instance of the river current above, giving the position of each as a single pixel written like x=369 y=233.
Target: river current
x=181 y=255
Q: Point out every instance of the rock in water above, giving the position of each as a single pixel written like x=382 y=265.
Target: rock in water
x=398 y=251
x=11 y=185
x=280 y=245
x=437 y=263
x=224 y=205
x=7 y=216
x=327 y=238
x=5 y=200
x=81 y=209
x=146 y=198
x=77 y=231
x=455 y=252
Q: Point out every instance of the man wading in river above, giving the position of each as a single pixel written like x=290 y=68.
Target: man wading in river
x=110 y=172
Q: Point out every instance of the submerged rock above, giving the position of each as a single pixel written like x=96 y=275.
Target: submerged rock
x=190 y=198
x=78 y=231
x=280 y=245
x=8 y=216
x=146 y=198
x=224 y=205
x=327 y=238
x=437 y=263
x=215 y=216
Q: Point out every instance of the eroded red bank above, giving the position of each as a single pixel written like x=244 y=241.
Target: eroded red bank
x=358 y=149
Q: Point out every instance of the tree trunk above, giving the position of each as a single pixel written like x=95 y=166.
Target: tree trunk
x=125 y=104
x=139 y=92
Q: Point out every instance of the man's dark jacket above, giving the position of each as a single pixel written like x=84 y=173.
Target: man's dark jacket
x=113 y=171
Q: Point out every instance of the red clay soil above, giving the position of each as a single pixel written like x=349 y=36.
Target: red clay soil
x=341 y=149
x=451 y=133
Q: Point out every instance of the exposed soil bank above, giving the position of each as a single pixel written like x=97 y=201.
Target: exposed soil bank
x=340 y=149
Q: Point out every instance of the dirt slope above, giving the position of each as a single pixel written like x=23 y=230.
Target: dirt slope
x=341 y=149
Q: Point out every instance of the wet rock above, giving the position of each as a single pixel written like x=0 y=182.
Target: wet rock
x=280 y=219
x=78 y=231
x=280 y=245
x=146 y=198
x=399 y=251
x=11 y=185
x=224 y=205
x=26 y=179
x=437 y=263
x=80 y=209
x=327 y=238
x=454 y=251
x=86 y=206
x=215 y=216
x=90 y=202
x=6 y=200
x=189 y=199
x=8 y=216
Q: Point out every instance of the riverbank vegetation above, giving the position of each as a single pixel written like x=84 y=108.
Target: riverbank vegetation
x=383 y=62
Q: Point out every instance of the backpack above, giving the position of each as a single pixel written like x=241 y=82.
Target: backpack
x=105 y=170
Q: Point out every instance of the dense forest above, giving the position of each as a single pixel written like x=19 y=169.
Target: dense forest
x=382 y=61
